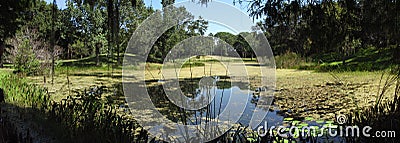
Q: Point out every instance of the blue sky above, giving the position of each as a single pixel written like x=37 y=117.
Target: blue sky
x=60 y=3
x=157 y=3
x=212 y=27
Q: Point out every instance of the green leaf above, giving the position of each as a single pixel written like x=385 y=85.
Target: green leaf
x=288 y=119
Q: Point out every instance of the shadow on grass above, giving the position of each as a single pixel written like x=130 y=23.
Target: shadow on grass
x=14 y=126
x=367 y=60
x=97 y=74
x=255 y=65
x=91 y=61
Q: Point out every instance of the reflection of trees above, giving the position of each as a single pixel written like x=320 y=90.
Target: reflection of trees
x=192 y=89
x=161 y=102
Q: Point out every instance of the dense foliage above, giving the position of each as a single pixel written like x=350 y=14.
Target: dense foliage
x=323 y=30
x=82 y=28
x=317 y=27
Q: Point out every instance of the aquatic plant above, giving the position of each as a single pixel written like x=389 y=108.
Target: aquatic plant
x=384 y=115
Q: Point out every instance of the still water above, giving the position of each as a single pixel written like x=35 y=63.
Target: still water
x=218 y=94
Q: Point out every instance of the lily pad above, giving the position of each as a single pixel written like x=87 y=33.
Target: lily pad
x=309 y=118
x=315 y=127
x=288 y=119
x=296 y=134
x=251 y=139
x=287 y=141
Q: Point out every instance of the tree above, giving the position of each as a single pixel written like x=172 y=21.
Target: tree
x=10 y=12
x=312 y=28
x=30 y=53
x=185 y=27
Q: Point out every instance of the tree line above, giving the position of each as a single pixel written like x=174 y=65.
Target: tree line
x=313 y=28
x=83 y=28
x=310 y=28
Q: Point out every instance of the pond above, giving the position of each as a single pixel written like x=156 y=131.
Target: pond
x=213 y=95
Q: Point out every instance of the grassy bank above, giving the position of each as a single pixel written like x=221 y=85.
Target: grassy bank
x=84 y=117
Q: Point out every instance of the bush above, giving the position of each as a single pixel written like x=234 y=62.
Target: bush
x=29 y=53
x=25 y=61
x=289 y=60
x=192 y=64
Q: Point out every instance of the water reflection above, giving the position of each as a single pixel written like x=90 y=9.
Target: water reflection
x=218 y=92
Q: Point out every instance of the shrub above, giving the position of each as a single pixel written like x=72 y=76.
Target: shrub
x=289 y=60
x=29 y=53
x=25 y=61
x=192 y=64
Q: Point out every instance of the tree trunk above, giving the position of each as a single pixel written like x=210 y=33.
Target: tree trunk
x=344 y=60
x=98 y=45
x=68 y=53
x=1 y=60
x=53 y=42
x=344 y=57
x=1 y=54
x=396 y=54
x=117 y=31
x=110 y=21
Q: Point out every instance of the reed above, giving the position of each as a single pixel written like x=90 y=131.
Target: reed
x=87 y=118
x=384 y=115
x=19 y=92
x=84 y=117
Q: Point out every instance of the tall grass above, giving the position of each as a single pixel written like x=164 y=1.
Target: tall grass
x=383 y=116
x=87 y=118
x=19 y=92
x=292 y=61
x=81 y=118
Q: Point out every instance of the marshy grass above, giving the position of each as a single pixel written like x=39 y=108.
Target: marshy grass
x=383 y=116
x=19 y=92
x=83 y=118
x=292 y=61
x=86 y=118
